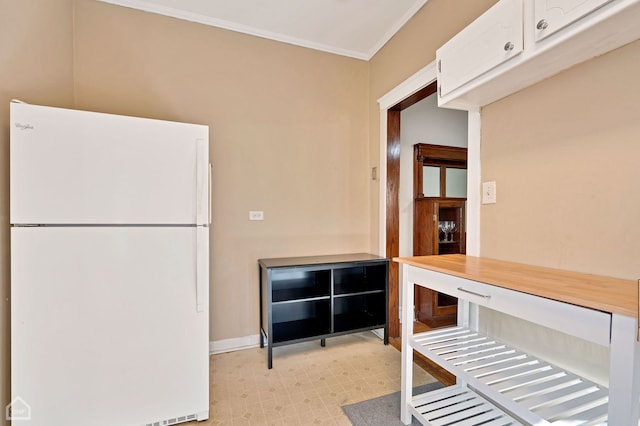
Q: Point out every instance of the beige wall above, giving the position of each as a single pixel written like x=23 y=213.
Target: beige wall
x=288 y=135
x=410 y=50
x=294 y=132
x=564 y=154
x=36 y=66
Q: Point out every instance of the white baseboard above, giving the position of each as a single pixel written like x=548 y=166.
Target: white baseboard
x=234 y=344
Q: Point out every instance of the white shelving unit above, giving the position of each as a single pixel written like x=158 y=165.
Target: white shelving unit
x=498 y=384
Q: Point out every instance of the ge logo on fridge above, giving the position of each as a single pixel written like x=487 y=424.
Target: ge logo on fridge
x=23 y=126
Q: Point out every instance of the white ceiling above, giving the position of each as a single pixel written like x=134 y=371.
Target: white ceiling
x=355 y=28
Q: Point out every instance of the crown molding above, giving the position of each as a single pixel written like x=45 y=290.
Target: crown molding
x=151 y=7
x=393 y=30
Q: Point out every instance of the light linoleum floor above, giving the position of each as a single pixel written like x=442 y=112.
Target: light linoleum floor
x=308 y=383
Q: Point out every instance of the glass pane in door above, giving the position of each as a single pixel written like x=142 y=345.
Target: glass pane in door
x=431 y=181
x=456 y=183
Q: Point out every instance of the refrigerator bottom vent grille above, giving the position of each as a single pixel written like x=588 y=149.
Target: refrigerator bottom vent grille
x=175 y=421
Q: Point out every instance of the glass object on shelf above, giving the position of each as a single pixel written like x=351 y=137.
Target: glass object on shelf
x=452 y=230
x=447 y=228
x=431 y=181
x=456 y=183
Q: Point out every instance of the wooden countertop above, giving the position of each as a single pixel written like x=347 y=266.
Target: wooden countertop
x=606 y=294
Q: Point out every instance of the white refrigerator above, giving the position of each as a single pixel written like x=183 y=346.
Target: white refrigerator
x=109 y=269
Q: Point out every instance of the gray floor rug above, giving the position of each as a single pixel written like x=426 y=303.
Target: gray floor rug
x=384 y=410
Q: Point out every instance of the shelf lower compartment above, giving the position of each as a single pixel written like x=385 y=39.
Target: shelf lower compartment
x=356 y=321
x=299 y=329
x=537 y=392
x=457 y=406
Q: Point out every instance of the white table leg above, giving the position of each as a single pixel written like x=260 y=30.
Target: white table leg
x=624 y=374
x=406 y=387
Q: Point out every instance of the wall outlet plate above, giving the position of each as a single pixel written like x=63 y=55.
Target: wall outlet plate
x=256 y=215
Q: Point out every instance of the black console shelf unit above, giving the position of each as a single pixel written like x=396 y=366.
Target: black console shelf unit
x=315 y=297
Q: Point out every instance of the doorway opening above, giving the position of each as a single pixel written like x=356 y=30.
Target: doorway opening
x=418 y=86
x=417 y=121
x=393 y=150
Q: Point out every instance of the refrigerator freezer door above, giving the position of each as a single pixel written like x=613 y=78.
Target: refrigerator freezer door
x=104 y=330
x=79 y=167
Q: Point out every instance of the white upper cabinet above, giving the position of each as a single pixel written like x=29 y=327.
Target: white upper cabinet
x=493 y=38
x=553 y=15
x=517 y=43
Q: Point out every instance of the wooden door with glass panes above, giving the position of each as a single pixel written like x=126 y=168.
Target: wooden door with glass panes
x=440 y=176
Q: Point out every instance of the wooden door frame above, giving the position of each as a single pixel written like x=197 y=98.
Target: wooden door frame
x=388 y=213
x=393 y=198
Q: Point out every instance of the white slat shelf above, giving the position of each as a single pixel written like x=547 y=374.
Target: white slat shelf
x=459 y=406
x=531 y=389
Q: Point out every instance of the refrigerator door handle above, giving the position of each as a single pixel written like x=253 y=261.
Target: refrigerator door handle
x=210 y=194
x=202 y=181
x=202 y=268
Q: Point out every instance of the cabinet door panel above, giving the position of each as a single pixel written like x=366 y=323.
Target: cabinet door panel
x=553 y=15
x=490 y=40
x=425 y=228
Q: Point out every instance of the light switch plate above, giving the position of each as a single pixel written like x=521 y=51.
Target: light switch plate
x=489 y=192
